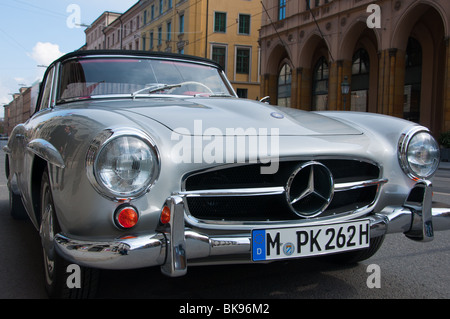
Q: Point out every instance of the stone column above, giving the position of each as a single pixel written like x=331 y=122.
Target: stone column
x=446 y=124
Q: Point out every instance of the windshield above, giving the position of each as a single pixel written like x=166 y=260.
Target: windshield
x=100 y=77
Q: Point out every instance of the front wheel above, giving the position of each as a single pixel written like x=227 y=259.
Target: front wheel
x=61 y=281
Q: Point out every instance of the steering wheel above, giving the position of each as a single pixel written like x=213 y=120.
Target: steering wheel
x=197 y=83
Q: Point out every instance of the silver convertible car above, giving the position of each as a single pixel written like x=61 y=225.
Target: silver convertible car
x=136 y=159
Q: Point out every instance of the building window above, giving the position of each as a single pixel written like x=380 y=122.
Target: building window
x=151 y=40
x=243 y=60
x=152 y=12
x=320 y=85
x=181 y=23
x=219 y=54
x=361 y=63
x=413 y=81
x=220 y=21
x=281 y=9
x=284 y=86
x=160 y=7
x=143 y=43
x=145 y=17
x=244 y=24
x=242 y=93
x=360 y=81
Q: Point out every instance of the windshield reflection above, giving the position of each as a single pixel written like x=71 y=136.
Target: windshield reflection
x=85 y=78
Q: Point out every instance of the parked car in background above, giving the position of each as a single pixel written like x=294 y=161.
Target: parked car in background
x=137 y=159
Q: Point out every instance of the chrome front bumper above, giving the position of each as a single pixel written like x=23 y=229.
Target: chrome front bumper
x=173 y=245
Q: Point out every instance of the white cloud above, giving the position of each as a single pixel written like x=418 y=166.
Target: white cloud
x=45 y=53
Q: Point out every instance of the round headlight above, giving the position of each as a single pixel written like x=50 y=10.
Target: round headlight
x=123 y=165
x=419 y=154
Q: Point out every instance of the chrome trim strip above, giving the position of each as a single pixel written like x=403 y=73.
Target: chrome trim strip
x=280 y=190
x=235 y=192
x=175 y=264
x=360 y=184
x=46 y=151
x=422 y=221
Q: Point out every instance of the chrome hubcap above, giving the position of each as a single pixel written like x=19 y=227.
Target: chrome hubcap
x=47 y=235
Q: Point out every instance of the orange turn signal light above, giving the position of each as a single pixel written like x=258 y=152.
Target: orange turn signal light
x=126 y=217
x=165 y=215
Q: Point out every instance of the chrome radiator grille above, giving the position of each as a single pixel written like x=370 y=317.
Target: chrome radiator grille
x=242 y=193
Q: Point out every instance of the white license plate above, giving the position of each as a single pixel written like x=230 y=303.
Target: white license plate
x=281 y=243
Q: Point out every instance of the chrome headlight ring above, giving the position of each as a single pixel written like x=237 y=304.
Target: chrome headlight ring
x=418 y=153
x=122 y=163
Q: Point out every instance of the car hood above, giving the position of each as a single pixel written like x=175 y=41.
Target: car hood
x=231 y=116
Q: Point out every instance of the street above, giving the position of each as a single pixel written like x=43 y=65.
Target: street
x=407 y=269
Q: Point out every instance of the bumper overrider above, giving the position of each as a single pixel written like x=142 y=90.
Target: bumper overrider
x=173 y=244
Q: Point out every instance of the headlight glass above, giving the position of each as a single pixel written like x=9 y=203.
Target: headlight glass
x=123 y=166
x=420 y=155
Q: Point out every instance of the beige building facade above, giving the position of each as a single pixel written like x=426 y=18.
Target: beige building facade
x=394 y=55
x=124 y=32
x=95 y=33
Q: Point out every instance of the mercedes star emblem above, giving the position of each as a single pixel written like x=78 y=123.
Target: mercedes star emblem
x=309 y=189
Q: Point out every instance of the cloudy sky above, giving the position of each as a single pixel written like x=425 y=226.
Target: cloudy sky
x=35 y=33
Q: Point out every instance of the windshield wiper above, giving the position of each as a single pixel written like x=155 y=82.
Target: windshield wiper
x=155 y=88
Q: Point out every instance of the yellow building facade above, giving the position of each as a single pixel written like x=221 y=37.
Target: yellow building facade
x=225 y=31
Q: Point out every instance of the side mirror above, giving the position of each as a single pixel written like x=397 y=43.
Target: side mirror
x=265 y=99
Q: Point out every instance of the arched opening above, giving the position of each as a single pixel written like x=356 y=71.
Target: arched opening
x=275 y=80
x=420 y=38
x=321 y=74
x=284 y=85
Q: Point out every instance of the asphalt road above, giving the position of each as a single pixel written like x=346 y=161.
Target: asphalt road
x=407 y=270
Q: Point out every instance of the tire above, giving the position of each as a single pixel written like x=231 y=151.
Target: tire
x=57 y=273
x=358 y=255
x=16 y=208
